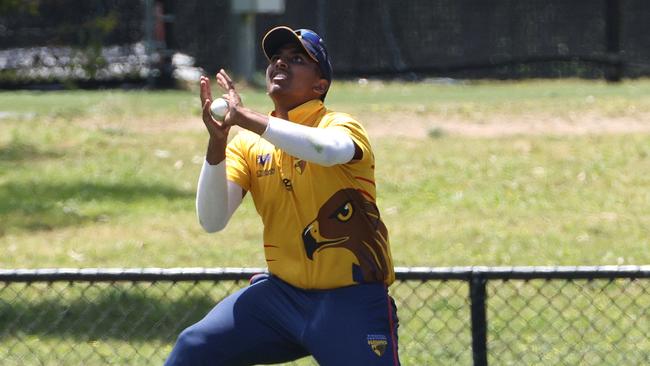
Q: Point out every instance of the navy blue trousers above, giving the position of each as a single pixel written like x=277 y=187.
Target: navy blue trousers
x=271 y=321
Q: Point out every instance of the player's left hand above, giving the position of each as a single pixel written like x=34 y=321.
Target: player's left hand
x=231 y=96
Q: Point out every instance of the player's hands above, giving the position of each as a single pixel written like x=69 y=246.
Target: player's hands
x=231 y=96
x=217 y=129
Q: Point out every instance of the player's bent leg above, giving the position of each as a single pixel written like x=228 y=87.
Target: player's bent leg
x=360 y=328
x=241 y=330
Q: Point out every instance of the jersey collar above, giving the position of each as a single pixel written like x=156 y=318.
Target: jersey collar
x=308 y=113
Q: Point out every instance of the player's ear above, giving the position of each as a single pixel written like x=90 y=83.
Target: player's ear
x=321 y=86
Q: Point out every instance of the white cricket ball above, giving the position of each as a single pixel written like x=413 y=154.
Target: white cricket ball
x=219 y=108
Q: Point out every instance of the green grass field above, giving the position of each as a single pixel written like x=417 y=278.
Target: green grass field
x=484 y=173
x=108 y=178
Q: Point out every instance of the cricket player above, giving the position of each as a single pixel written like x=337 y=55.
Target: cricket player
x=310 y=172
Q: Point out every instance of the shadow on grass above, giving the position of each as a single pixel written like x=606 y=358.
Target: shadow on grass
x=112 y=314
x=44 y=206
x=17 y=151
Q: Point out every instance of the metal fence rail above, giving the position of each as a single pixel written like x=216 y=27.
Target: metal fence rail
x=459 y=315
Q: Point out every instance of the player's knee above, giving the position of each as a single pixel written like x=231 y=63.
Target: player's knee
x=192 y=348
x=193 y=339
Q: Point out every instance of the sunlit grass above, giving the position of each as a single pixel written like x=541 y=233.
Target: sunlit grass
x=457 y=99
x=557 y=201
x=108 y=178
x=119 y=191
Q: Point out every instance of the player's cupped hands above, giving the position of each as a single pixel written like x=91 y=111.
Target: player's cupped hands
x=216 y=129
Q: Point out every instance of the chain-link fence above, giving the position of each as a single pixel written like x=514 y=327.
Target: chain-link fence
x=95 y=42
x=448 y=316
x=451 y=38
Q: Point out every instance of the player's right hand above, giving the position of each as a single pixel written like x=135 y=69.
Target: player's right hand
x=231 y=96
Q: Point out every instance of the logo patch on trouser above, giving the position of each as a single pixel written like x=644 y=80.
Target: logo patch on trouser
x=377 y=343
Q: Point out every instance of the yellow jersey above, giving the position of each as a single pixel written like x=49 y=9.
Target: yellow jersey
x=322 y=227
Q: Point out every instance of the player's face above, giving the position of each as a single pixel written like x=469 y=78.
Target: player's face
x=293 y=77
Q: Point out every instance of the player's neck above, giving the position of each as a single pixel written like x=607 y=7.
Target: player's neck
x=281 y=113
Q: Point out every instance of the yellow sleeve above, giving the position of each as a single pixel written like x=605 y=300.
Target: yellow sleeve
x=354 y=129
x=237 y=168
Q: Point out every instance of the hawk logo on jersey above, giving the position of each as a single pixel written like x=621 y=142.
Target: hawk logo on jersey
x=300 y=166
x=347 y=220
x=377 y=343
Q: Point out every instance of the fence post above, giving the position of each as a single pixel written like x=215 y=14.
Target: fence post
x=613 y=14
x=149 y=47
x=477 y=294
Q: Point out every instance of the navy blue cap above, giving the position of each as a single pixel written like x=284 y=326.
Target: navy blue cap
x=311 y=42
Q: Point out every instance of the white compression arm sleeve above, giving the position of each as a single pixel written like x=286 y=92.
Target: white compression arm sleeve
x=322 y=146
x=216 y=197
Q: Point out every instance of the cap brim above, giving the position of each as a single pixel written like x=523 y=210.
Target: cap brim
x=280 y=36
